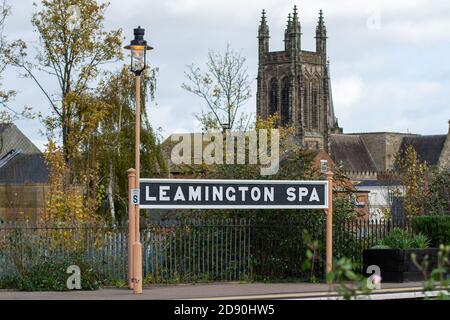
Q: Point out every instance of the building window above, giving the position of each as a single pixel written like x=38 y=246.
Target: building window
x=393 y=195
x=273 y=97
x=285 y=102
x=315 y=109
x=323 y=166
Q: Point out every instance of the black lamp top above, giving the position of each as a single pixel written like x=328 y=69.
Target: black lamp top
x=139 y=33
x=139 y=39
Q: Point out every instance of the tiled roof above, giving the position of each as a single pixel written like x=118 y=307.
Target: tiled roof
x=428 y=148
x=351 y=152
x=20 y=160
x=24 y=168
x=11 y=138
x=378 y=183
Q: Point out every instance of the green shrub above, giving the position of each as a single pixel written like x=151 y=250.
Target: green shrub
x=50 y=275
x=420 y=241
x=397 y=239
x=437 y=228
x=401 y=239
x=8 y=282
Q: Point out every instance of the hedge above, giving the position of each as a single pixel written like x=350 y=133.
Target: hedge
x=51 y=275
x=437 y=228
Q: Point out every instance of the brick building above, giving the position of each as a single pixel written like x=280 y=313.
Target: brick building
x=23 y=176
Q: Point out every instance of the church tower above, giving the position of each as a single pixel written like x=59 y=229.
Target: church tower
x=296 y=85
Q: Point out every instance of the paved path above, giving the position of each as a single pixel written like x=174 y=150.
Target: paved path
x=200 y=291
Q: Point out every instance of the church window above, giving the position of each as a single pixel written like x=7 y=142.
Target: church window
x=273 y=97
x=315 y=109
x=305 y=107
x=285 y=102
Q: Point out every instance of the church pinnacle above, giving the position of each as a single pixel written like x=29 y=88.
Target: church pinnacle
x=263 y=35
x=292 y=36
x=289 y=22
x=263 y=27
x=287 y=32
x=321 y=30
x=321 y=36
x=295 y=21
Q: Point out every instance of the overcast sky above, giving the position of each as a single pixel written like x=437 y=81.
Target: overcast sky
x=390 y=65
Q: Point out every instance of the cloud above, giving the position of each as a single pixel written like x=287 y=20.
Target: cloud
x=347 y=93
x=391 y=106
x=419 y=33
x=388 y=78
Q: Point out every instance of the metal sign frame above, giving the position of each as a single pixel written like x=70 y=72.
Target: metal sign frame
x=294 y=183
x=135 y=247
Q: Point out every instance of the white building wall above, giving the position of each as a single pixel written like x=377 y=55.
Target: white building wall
x=380 y=198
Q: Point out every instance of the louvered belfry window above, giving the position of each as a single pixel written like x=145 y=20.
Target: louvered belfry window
x=285 y=102
x=305 y=107
x=273 y=97
x=315 y=109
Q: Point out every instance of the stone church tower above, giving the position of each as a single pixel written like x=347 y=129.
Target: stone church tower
x=296 y=84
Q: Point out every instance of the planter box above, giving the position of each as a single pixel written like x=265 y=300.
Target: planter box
x=397 y=266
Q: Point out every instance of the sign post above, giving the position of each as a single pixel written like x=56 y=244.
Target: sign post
x=131 y=226
x=329 y=211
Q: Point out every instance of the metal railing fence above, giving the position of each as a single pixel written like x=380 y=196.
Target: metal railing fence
x=212 y=249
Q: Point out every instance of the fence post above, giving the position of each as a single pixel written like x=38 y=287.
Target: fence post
x=329 y=240
x=131 y=225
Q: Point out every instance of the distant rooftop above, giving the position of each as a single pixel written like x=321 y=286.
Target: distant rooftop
x=20 y=160
x=351 y=152
x=382 y=132
x=24 y=168
x=378 y=183
x=428 y=148
x=11 y=138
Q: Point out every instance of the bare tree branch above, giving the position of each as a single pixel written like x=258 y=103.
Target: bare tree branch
x=225 y=88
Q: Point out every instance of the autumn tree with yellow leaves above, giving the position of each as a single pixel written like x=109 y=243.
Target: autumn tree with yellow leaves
x=426 y=187
x=115 y=136
x=414 y=176
x=65 y=203
x=73 y=46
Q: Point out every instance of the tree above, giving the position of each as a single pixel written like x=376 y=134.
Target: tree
x=414 y=178
x=8 y=114
x=73 y=45
x=425 y=187
x=64 y=202
x=115 y=137
x=224 y=87
x=438 y=201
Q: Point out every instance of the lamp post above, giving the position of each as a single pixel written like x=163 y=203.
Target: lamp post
x=138 y=47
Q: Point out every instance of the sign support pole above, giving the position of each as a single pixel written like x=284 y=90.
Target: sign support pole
x=137 y=246
x=131 y=184
x=329 y=211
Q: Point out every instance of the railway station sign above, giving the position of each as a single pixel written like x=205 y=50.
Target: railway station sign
x=232 y=194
